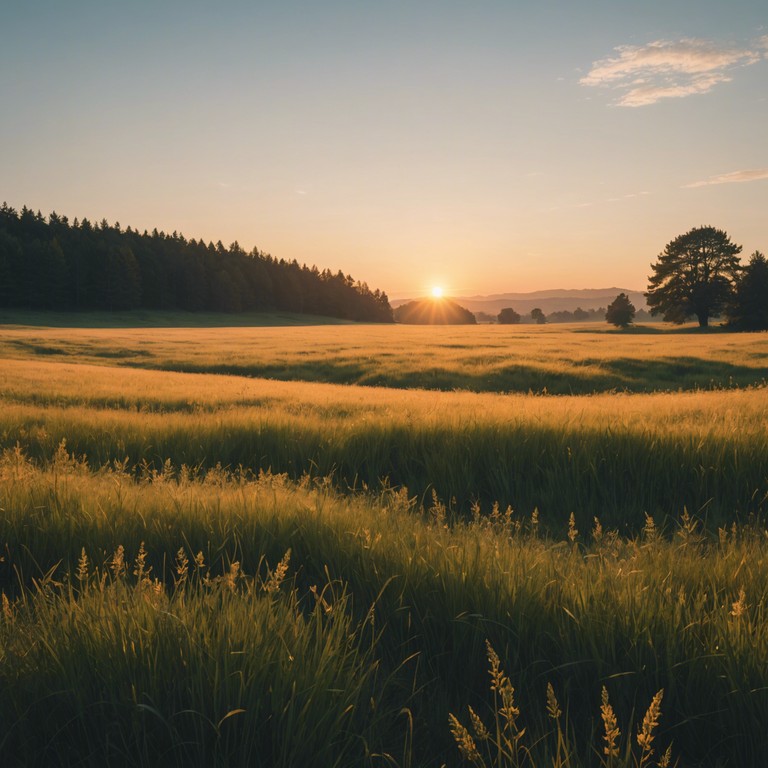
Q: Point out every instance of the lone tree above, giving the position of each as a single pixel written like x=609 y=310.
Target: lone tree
x=621 y=311
x=538 y=316
x=695 y=275
x=508 y=316
x=749 y=310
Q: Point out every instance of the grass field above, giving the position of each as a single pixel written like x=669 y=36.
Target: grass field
x=139 y=318
x=568 y=359
x=208 y=569
x=615 y=456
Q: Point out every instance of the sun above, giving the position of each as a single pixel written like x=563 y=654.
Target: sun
x=437 y=292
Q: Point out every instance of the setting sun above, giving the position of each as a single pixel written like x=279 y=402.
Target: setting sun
x=437 y=292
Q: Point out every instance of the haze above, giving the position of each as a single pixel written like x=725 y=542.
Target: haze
x=483 y=147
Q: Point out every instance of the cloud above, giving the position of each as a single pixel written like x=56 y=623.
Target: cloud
x=735 y=177
x=671 y=69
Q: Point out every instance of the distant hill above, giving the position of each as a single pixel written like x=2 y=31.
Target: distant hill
x=556 y=300
x=433 y=312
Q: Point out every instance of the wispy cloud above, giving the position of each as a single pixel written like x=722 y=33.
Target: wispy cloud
x=590 y=204
x=669 y=69
x=735 y=177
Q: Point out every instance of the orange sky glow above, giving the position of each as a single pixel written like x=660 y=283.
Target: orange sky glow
x=482 y=147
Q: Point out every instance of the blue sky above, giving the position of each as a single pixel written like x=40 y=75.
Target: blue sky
x=485 y=146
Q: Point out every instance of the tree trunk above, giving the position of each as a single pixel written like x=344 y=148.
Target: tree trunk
x=703 y=319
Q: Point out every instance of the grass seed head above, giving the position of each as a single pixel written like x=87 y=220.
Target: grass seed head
x=650 y=532
x=645 y=735
x=117 y=565
x=478 y=726
x=553 y=708
x=739 y=607
x=464 y=741
x=82 y=567
x=573 y=531
x=666 y=758
x=276 y=578
x=7 y=608
x=501 y=685
x=182 y=565
x=535 y=522
x=231 y=576
x=140 y=569
x=611 y=727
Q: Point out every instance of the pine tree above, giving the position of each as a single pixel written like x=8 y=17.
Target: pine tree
x=621 y=311
x=749 y=310
x=694 y=276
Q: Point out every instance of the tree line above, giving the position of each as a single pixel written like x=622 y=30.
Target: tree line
x=54 y=264
x=508 y=316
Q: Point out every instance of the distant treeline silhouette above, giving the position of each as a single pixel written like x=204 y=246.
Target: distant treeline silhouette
x=508 y=316
x=55 y=264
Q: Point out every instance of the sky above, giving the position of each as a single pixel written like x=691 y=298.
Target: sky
x=485 y=146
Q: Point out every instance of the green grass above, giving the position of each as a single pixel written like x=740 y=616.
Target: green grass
x=310 y=571
x=612 y=456
x=159 y=319
x=381 y=610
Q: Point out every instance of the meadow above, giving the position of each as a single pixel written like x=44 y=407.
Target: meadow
x=558 y=359
x=202 y=568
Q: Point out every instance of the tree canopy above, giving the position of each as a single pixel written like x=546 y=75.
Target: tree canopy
x=749 y=309
x=694 y=275
x=55 y=264
x=508 y=316
x=621 y=311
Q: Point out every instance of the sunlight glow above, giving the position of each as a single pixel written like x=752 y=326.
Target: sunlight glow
x=437 y=292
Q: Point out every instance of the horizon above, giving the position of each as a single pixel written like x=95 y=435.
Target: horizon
x=411 y=147
x=501 y=295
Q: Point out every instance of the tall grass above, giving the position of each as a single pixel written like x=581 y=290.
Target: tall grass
x=124 y=670
x=216 y=570
x=382 y=610
x=612 y=456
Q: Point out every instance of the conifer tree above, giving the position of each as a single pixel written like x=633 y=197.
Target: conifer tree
x=749 y=310
x=694 y=276
x=621 y=311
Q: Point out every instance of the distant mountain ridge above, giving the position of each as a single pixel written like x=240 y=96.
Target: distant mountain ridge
x=554 y=300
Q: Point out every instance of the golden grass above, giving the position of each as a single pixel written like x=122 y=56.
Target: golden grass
x=633 y=616
x=503 y=744
x=610 y=455
x=558 y=359
x=700 y=414
x=683 y=611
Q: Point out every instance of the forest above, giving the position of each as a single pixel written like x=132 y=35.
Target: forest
x=54 y=264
